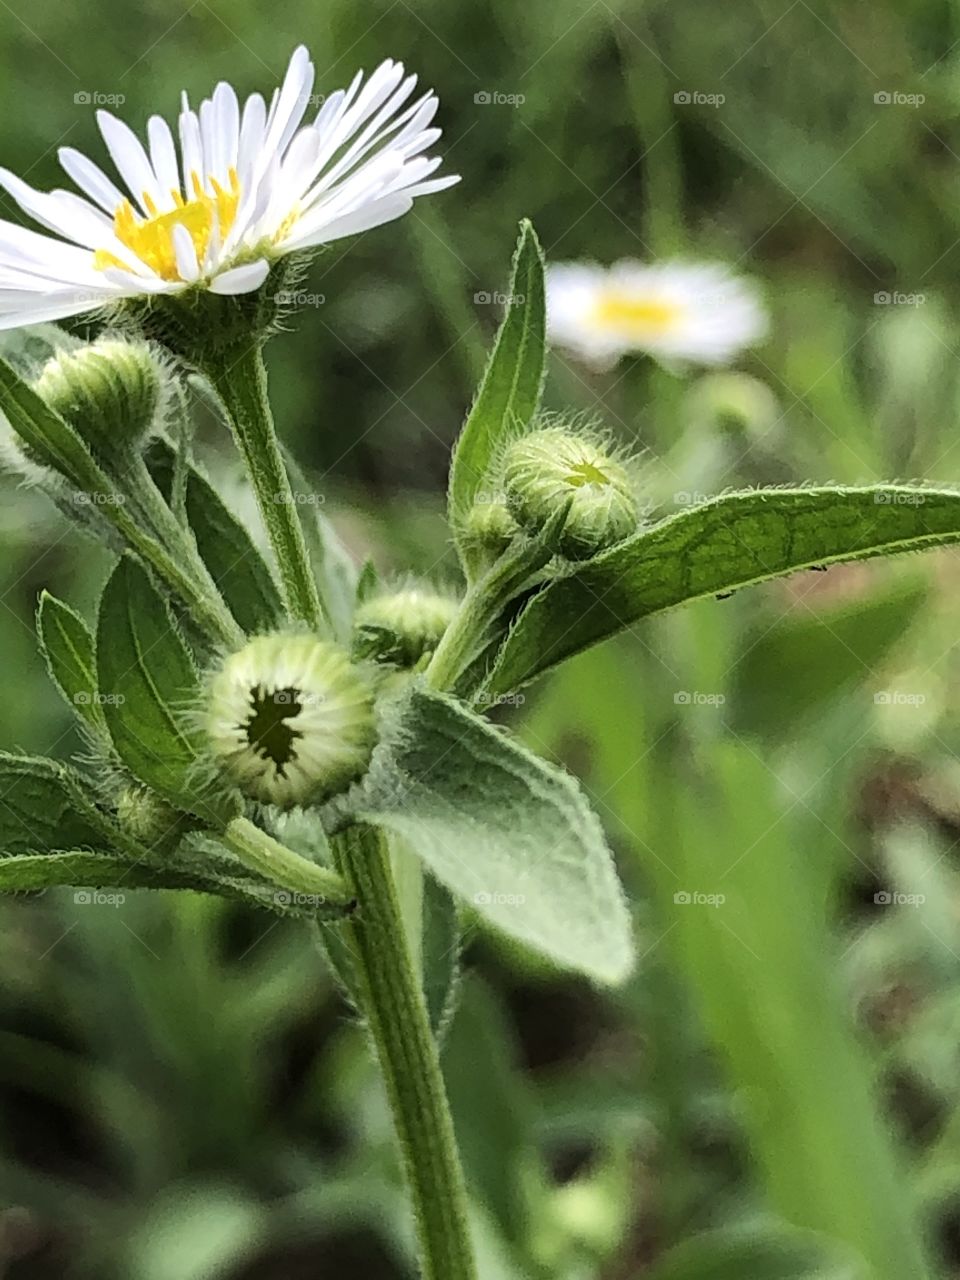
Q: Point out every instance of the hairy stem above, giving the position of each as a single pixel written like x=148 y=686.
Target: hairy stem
x=289 y=871
x=393 y=1005
x=179 y=540
x=240 y=380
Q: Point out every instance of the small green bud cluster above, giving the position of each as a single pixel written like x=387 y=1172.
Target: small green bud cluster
x=144 y=815
x=489 y=527
x=111 y=392
x=556 y=465
x=289 y=719
x=402 y=626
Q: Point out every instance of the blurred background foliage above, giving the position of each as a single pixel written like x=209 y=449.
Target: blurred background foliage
x=182 y=1093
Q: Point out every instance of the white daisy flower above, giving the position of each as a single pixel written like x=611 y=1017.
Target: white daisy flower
x=244 y=188
x=674 y=311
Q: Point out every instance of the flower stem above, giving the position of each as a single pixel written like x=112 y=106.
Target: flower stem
x=289 y=871
x=240 y=379
x=179 y=540
x=397 y=1018
x=475 y=624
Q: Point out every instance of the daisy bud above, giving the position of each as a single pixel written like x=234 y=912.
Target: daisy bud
x=489 y=528
x=144 y=815
x=289 y=720
x=401 y=627
x=110 y=392
x=554 y=465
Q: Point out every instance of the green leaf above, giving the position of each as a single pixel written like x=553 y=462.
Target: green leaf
x=47 y=435
x=225 y=547
x=440 y=954
x=147 y=681
x=502 y=829
x=758 y=1253
x=793 y=667
x=510 y=389
x=69 y=651
x=733 y=541
x=42 y=807
x=87 y=870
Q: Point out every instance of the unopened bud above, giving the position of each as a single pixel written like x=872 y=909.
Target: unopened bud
x=290 y=720
x=109 y=391
x=553 y=466
x=401 y=627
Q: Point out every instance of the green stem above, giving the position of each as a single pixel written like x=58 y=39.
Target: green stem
x=289 y=871
x=397 y=1018
x=179 y=540
x=240 y=380
x=482 y=608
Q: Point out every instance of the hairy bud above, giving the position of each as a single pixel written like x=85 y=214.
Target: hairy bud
x=109 y=391
x=553 y=466
x=289 y=720
x=401 y=627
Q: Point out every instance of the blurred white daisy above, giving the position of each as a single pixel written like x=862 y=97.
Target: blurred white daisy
x=674 y=311
x=244 y=188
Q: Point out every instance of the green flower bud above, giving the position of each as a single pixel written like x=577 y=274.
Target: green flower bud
x=489 y=527
x=401 y=627
x=289 y=720
x=554 y=465
x=145 y=815
x=110 y=392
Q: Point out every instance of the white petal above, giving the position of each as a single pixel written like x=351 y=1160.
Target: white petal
x=129 y=157
x=90 y=178
x=42 y=255
x=364 y=219
x=290 y=106
x=227 y=128
x=190 y=146
x=68 y=215
x=163 y=154
x=241 y=279
x=183 y=247
x=51 y=306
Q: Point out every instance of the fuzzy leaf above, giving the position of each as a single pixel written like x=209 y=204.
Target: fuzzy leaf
x=225 y=547
x=733 y=541
x=502 y=829
x=509 y=392
x=147 y=681
x=762 y=1253
x=440 y=954
x=68 y=647
x=41 y=807
x=47 y=435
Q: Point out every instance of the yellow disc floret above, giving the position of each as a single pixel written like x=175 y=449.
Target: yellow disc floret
x=151 y=238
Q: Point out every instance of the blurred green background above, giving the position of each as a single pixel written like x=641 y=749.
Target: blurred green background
x=183 y=1096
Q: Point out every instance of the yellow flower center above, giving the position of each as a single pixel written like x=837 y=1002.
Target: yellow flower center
x=151 y=238
x=638 y=318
